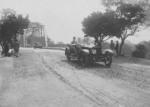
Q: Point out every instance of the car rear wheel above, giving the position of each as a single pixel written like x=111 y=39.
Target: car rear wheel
x=84 y=60
x=108 y=60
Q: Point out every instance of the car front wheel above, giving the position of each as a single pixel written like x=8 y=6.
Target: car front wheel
x=108 y=60
x=84 y=60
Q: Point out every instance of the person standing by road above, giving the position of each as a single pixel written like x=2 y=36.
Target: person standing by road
x=112 y=45
x=16 y=48
x=117 y=47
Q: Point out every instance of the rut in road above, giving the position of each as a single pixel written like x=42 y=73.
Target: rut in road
x=99 y=102
x=101 y=98
x=101 y=85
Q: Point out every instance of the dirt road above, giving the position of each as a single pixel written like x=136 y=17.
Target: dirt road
x=44 y=78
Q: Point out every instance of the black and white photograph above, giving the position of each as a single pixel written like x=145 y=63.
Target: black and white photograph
x=74 y=53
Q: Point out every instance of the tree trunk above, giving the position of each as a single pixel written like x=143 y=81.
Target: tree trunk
x=121 y=46
x=100 y=41
x=2 y=49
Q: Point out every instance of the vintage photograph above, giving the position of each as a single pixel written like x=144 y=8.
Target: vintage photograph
x=74 y=53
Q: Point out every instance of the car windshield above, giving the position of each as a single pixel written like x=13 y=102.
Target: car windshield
x=86 y=41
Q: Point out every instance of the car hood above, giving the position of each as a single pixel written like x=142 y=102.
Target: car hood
x=86 y=46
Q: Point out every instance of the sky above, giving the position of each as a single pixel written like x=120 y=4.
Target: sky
x=62 y=18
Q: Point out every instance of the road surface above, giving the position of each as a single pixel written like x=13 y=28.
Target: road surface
x=44 y=78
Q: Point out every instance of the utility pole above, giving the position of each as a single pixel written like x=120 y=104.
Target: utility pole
x=45 y=36
x=24 y=37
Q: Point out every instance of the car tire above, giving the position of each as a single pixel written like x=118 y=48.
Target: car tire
x=108 y=60
x=84 y=59
x=67 y=55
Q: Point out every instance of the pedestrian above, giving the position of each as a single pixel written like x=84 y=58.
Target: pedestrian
x=112 y=45
x=6 y=48
x=16 y=48
x=117 y=47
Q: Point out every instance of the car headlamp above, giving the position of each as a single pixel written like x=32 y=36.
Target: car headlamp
x=93 y=51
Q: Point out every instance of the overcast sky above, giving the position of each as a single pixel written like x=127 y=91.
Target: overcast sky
x=62 y=18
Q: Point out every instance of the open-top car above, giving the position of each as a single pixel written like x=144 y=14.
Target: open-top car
x=88 y=54
x=37 y=45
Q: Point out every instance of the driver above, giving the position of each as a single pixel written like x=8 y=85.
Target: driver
x=74 y=41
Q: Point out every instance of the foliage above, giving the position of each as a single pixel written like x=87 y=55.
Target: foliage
x=32 y=40
x=6 y=12
x=128 y=18
x=138 y=54
x=100 y=25
x=12 y=26
x=140 y=51
x=130 y=15
x=50 y=42
x=145 y=4
x=122 y=23
x=147 y=46
x=128 y=48
x=60 y=44
x=106 y=45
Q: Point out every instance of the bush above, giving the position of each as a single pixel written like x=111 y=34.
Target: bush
x=140 y=51
x=127 y=49
x=138 y=54
x=148 y=55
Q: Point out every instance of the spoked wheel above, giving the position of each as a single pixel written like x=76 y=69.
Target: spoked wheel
x=84 y=60
x=108 y=60
x=68 y=58
x=67 y=55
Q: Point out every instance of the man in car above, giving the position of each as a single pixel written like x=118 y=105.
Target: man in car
x=74 y=41
x=76 y=48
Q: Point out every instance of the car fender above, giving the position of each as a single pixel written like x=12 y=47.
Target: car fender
x=67 y=50
x=85 y=51
x=107 y=51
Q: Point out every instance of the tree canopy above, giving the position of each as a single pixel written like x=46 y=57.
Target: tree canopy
x=12 y=25
x=122 y=22
x=130 y=17
x=100 y=25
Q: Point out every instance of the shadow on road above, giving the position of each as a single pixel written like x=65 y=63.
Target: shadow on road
x=77 y=64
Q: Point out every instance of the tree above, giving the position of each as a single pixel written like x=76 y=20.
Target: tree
x=131 y=15
x=32 y=39
x=6 y=12
x=100 y=26
x=140 y=51
x=50 y=42
x=129 y=18
x=12 y=26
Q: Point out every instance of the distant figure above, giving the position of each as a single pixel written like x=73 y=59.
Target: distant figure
x=6 y=48
x=117 y=47
x=74 y=41
x=112 y=45
x=16 y=48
